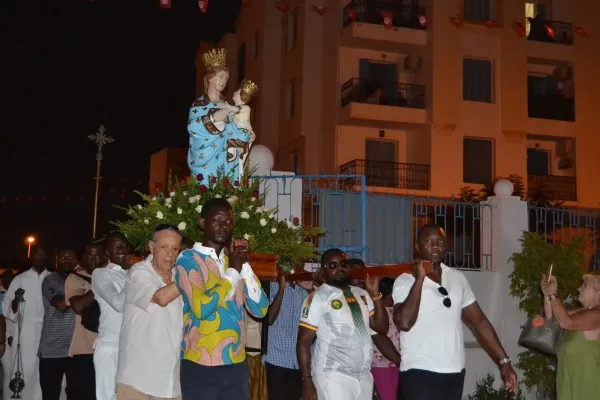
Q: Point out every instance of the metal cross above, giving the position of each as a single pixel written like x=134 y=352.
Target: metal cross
x=101 y=139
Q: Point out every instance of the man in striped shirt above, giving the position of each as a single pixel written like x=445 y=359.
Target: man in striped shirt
x=283 y=374
x=57 y=331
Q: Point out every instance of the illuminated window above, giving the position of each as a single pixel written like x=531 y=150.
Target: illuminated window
x=531 y=11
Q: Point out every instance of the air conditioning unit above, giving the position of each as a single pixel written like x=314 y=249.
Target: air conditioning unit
x=565 y=148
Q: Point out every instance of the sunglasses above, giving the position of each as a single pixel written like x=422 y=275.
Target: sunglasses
x=446 y=302
x=336 y=264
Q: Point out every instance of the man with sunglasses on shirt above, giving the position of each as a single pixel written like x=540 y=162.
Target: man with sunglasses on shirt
x=343 y=318
x=428 y=311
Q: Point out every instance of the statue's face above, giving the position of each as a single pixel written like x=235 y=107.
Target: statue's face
x=219 y=81
x=237 y=98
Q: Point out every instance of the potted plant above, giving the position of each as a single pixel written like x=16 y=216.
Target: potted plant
x=485 y=390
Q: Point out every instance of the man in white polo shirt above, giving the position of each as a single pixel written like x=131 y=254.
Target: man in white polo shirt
x=428 y=311
x=343 y=318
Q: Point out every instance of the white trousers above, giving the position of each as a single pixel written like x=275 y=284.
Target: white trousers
x=30 y=343
x=336 y=386
x=106 y=359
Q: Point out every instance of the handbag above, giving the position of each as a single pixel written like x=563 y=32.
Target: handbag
x=540 y=334
x=90 y=317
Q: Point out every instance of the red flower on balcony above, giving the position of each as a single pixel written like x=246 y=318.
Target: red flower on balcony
x=203 y=189
x=199 y=177
x=236 y=183
x=296 y=221
x=388 y=20
x=213 y=180
x=246 y=182
x=351 y=14
x=255 y=194
x=226 y=182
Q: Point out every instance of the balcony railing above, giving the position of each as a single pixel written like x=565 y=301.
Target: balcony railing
x=389 y=174
x=372 y=13
x=554 y=107
x=550 y=31
x=384 y=94
x=552 y=187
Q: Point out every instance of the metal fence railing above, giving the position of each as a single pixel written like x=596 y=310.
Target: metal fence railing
x=383 y=93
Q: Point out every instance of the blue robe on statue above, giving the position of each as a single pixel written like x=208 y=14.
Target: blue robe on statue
x=213 y=144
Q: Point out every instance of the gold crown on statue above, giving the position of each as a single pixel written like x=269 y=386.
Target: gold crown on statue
x=247 y=89
x=215 y=58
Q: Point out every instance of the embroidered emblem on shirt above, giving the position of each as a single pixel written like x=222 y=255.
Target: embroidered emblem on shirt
x=336 y=304
x=305 y=312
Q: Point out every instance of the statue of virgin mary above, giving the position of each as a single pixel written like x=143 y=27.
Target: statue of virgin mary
x=211 y=128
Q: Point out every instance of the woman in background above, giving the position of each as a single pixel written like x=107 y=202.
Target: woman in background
x=386 y=357
x=578 y=350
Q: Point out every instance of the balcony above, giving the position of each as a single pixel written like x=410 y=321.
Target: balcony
x=363 y=23
x=551 y=187
x=547 y=31
x=389 y=174
x=554 y=107
x=392 y=105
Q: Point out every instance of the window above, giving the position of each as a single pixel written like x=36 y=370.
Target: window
x=291 y=98
x=478 y=10
x=292 y=31
x=242 y=62
x=538 y=162
x=256 y=44
x=534 y=10
x=477 y=160
x=295 y=164
x=380 y=162
x=477 y=80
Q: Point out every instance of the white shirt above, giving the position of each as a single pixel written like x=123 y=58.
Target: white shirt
x=108 y=285
x=339 y=346
x=231 y=274
x=33 y=306
x=435 y=343
x=150 y=341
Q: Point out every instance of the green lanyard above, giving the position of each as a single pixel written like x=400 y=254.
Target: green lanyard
x=357 y=314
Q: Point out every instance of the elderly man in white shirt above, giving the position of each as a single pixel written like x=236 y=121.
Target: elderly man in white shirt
x=108 y=285
x=152 y=327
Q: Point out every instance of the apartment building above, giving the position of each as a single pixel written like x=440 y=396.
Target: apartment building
x=427 y=96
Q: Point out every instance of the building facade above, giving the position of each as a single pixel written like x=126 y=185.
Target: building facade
x=427 y=96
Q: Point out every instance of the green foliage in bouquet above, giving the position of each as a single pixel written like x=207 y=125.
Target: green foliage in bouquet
x=181 y=207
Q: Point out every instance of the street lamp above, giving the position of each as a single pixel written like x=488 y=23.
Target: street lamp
x=29 y=240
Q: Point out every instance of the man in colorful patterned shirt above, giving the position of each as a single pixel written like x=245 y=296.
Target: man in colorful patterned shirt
x=218 y=286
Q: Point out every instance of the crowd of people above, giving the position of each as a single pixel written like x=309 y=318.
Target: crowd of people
x=187 y=325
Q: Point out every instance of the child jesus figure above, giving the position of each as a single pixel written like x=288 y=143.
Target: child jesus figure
x=237 y=148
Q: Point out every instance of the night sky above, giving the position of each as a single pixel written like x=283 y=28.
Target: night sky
x=72 y=66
